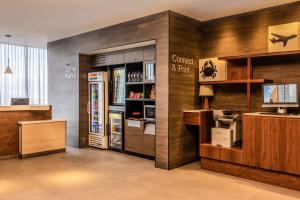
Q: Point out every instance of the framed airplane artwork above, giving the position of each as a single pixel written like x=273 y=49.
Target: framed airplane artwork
x=284 y=37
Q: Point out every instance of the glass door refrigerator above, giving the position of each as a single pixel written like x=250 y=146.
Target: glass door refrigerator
x=117 y=108
x=98 y=109
x=118 y=86
x=116 y=124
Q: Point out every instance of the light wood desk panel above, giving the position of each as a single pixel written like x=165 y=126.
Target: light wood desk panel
x=41 y=137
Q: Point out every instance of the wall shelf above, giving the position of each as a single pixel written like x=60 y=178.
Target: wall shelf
x=139 y=83
x=252 y=81
x=153 y=100
x=261 y=55
x=129 y=99
x=134 y=83
x=240 y=67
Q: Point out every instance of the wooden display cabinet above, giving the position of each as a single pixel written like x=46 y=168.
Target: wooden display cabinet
x=272 y=143
x=136 y=141
x=134 y=136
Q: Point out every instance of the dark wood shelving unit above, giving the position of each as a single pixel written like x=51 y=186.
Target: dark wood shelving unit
x=136 y=139
x=243 y=64
x=243 y=74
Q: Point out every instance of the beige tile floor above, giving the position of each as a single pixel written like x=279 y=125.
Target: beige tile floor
x=88 y=174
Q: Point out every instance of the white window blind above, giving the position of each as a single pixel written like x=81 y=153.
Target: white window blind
x=29 y=78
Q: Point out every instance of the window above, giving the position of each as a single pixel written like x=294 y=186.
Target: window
x=29 y=78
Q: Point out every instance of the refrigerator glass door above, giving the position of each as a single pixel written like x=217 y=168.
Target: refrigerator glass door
x=116 y=130
x=118 y=78
x=96 y=91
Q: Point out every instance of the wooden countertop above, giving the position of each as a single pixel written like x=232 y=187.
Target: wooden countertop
x=270 y=115
x=40 y=121
x=23 y=108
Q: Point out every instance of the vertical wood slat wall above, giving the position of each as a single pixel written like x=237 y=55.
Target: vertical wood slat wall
x=185 y=38
x=154 y=27
x=177 y=34
x=248 y=34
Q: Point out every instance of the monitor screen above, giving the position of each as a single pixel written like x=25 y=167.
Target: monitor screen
x=19 y=101
x=280 y=94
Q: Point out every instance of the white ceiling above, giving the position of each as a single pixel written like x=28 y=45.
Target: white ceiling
x=36 y=22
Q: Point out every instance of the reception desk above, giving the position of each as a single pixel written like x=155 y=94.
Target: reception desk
x=9 y=118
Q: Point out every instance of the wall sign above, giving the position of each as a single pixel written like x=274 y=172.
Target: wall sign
x=71 y=72
x=284 y=37
x=212 y=69
x=181 y=64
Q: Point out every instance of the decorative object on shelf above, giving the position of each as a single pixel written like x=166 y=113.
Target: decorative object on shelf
x=212 y=69
x=136 y=116
x=8 y=68
x=153 y=93
x=136 y=113
x=135 y=95
x=206 y=91
x=134 y=77
x=284 y=37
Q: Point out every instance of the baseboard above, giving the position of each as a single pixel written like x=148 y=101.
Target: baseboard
x=8 y=157
x=261 y=175
x=41 y=153
x=139 y=155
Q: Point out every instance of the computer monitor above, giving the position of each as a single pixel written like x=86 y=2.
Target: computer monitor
x=19 y=101
x=280 y=96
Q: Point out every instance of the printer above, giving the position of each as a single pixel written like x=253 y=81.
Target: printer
x=228 y=128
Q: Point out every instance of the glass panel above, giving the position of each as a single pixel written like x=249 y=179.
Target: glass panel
x=119 y=86
x=116 y=125
x=101 y=108
x=96 y=107
x=150 y=72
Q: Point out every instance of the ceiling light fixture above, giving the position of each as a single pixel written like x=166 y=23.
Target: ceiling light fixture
x=8 y=69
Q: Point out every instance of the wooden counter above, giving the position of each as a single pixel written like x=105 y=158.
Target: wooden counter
x=270 y=152
x=41 y=137
x=10 y=116
x=257 y=114
x=24 y=108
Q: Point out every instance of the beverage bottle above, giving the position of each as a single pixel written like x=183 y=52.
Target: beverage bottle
x=129 y=77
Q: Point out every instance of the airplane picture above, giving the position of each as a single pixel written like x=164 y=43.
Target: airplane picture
x=281 y=38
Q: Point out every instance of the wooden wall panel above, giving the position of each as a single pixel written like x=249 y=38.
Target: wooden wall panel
x=183 y=89
x=291 y=159
x=84 y=68
x=280 y=71
x=248 y=33
x=177 y=34
x=256 y=141
x=154 y=27
x=9 y=142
